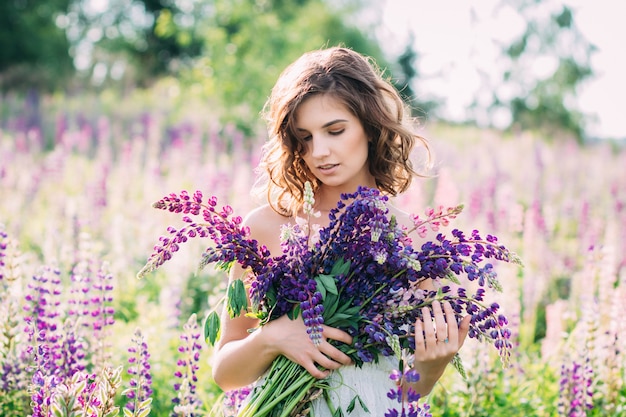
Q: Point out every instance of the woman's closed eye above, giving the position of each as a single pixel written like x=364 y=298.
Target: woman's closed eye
x=336 y=132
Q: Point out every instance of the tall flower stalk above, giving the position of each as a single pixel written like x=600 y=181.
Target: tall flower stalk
x=14 y=375
x=140 y=391
x=187 y=403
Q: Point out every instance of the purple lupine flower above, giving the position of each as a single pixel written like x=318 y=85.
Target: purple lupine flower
x=139 y=393
x=361 y=275
x=42 y=316
x=405 y=395
x=186 y=403
x=3 y=247
x=72 y=351
x=90 y=305
x=43 y=382
x=575 y=393
x=101 y=301
x=234 y=399
x=42 y=388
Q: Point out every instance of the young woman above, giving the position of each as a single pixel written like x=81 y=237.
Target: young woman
x=334 y=122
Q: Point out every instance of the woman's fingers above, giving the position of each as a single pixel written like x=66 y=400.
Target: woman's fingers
x=336 y=334
x=429 y=331
x=439 y=328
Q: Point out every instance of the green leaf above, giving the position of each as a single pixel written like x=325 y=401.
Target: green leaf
x=145 y=404
x=294 y=313
x=212 y=328
x=321 y=288
x=331 y=302
x=340 y=267
x=114 y=412
x=144 y=412
x=236 y=297
x=328 y=282
x=452 y=277
x=352 y=404
x=338 y=412
x=363 y=405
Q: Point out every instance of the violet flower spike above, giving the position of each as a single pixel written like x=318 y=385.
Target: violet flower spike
x=139 y=392
x=187 y=402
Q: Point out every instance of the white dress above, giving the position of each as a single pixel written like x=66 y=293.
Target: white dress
x=371 y=382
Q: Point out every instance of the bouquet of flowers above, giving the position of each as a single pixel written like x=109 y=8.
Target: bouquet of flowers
x=361 y=274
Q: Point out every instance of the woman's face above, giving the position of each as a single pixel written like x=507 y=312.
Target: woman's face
x=336 y=144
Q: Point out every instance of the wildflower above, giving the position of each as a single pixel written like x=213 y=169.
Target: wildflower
x=575 y=394
x=186 y=402
x=361 y=275
x=234 y=399
x=140 y=391
x=42 y=317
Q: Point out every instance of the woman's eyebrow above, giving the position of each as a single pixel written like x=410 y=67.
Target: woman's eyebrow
x=332 y=122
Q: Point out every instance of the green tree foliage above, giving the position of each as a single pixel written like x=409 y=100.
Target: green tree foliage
x=152 y=38
x=407 y=73
x=546 y=101
x=169 y=40
x=248 y=43
x=227 y=51
x=34 y=50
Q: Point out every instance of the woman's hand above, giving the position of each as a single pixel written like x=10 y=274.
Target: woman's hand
x=289 y=338
x=437 y=339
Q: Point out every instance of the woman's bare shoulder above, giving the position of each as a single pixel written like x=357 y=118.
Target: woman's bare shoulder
x=402 y=217
x=265 y=225
x=263 y=216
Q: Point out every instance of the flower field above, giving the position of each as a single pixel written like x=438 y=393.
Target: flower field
x=81 y=335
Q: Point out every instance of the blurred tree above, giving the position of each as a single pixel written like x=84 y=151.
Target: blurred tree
x=248 y=43
x=545 y=67
x=407 y=74
x=25 y=27
x=228 y=51
x=147 y=38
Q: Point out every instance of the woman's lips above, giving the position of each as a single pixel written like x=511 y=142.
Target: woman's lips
x=327 y=168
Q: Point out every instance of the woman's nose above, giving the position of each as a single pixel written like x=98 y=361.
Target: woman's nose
x=319 y=147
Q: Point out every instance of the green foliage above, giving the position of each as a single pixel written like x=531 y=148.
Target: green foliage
x=167 y=39
x=490 y=390
x=26 y=25
x=247 y=43
x=547 y=102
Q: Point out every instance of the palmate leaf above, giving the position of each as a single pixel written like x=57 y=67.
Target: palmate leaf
x=236 y=298
x=340 y=267
x=212 y=328
x=342 y=315
x=331 y=302
x=327 y=282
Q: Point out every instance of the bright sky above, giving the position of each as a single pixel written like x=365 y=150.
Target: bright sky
x=452 y=50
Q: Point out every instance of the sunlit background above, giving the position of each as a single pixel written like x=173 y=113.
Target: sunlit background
x=461 y=42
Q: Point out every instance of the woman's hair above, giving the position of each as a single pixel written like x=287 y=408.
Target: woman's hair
x=356 y=81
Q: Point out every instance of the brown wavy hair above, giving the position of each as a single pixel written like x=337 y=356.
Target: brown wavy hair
x=357 y=82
